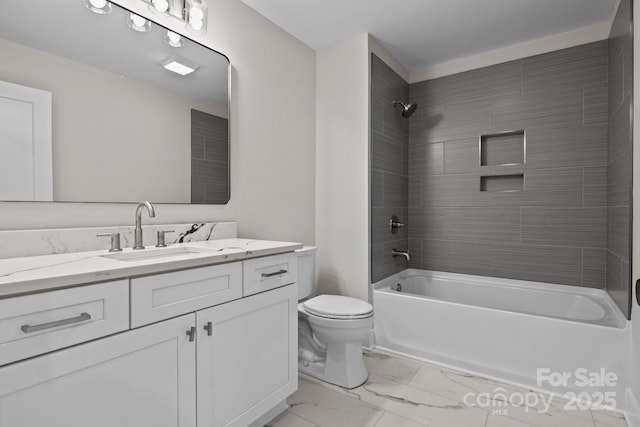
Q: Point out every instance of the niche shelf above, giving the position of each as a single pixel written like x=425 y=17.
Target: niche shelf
x=502 y=183
x=503 y=148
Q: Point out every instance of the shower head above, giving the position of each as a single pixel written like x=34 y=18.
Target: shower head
x=406 y=109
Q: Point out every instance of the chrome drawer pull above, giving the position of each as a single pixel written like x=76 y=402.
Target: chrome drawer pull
x=28 y=328
x=275 y=273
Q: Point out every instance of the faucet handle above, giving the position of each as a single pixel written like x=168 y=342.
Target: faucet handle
x=161 y=242
x=115 y=241
x=395 y=224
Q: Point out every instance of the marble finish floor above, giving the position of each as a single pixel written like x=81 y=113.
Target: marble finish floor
x=402 y=392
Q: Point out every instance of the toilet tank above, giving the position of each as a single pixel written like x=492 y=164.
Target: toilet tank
x=306 y=270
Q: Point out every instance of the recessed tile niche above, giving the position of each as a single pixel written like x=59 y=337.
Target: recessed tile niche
x=505 y=148
x=502 y=183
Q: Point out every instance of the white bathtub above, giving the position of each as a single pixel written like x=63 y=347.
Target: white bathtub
x=503 y=328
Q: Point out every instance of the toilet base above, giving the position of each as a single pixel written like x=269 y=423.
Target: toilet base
x=343 y=366
x=331 y=349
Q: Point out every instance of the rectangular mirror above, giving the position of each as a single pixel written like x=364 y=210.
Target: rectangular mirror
x=90 y=111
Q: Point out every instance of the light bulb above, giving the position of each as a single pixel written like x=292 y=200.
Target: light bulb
x=173 y=39
x=161 y=5
x=138 y=20
x=100 y=4
x=101 y=7
x=138 y=23
x=196 y=24
x=196 y=14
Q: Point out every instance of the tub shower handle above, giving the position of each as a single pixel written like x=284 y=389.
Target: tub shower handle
x=395 y=224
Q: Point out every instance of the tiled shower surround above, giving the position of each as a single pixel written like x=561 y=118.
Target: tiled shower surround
x=619 y=163
x=389 y=169
x=530 y=204
x=555 y=229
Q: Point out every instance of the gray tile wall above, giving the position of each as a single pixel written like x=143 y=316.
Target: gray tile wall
x=390 y=169
x=209 y=158
x=619 y=154
x=555 y=229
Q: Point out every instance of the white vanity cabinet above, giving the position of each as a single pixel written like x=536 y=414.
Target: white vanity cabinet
x=199 y=364
x=141 y=378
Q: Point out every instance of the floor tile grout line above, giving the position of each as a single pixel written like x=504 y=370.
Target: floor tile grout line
x=382 y=412
x=415 y=373
x=302 y=418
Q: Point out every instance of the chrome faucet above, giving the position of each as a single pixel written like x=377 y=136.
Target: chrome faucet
x=396 y=253
x=138 y=232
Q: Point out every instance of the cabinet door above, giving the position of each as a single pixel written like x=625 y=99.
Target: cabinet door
x=140 y=378
x=249 y=362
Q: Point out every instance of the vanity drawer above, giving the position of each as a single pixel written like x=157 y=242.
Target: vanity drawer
x=39 y=323
x=262 y=274
x=162 y=296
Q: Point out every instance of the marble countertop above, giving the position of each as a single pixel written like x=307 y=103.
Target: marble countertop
x=20 y=276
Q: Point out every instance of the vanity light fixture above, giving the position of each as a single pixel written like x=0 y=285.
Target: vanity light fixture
x=101 y=7
x=173 y=39
x=138 y=23
x=192 y=12
x=179 y=65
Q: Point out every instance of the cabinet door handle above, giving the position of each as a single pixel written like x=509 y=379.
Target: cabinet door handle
x=192 y=333
x=209 y=328
x=81 y=318
x=275 y=273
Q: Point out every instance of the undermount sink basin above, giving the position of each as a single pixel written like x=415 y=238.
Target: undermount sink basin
x=155 y=253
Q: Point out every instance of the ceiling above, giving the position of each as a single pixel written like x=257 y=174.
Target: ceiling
x=422 y=33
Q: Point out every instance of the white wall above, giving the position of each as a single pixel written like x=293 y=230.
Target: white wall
x=272 y=138
x=343 y=165
x=342 y=162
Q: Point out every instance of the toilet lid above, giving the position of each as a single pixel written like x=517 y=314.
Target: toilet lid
x=337 y=306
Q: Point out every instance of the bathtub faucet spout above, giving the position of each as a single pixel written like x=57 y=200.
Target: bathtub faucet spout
x=396 y=253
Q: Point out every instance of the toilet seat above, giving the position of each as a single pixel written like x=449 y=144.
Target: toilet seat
x=338 y=307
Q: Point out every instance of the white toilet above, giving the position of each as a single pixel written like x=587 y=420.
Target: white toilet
x=330 y=330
